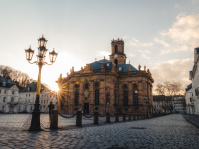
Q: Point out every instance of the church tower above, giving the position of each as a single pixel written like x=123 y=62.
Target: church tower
x=117 y=56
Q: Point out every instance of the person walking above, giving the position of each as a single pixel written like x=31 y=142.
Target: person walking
x=51 y=107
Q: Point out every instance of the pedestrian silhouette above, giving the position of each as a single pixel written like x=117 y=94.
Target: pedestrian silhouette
x=51 y=107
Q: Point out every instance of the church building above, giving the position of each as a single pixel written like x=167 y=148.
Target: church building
x=107 y=86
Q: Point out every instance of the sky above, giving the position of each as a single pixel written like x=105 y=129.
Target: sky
x=160 y=35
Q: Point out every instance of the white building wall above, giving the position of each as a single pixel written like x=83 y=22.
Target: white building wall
x=9 y=98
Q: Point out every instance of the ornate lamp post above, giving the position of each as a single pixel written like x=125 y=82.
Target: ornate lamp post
x=35 y=122
x=146 y=100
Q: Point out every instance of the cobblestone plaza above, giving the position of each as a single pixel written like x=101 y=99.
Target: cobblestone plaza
x=171 y=131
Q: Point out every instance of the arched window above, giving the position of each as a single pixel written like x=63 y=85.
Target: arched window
x=125 y=86
x=96 y=97
x=86 y=86
x=135 y=98
x=125 y=98
x=116 y=62
x=96 y=84
x=76 y=98
x=116 y=49
x=76 y=86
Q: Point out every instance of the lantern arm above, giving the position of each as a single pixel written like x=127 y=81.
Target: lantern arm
x=35 y=62
x=47 y=63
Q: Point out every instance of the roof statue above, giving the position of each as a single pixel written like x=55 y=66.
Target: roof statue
x=139 y=67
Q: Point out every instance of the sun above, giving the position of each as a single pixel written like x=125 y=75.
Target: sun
x=54 y=88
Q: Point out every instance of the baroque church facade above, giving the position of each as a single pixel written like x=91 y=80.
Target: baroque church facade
x=107 y=86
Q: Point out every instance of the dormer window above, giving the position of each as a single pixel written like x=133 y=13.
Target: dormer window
x=108 y=64
x=4 y=83
x=29 y=89
x=120 y=68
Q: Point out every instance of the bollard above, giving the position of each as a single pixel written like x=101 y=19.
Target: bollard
x=124 y=116
x=54 y=119
x=96 y=119
x=79 y=118
x=108 y=117
x=129 y=116
x=116 y=117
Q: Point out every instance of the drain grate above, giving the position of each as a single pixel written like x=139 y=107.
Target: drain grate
x=137 y=128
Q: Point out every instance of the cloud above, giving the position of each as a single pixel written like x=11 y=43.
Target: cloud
x=182 y=36
x=145 y=53
x=173 y=70
x=103 y=53
x=136 y=43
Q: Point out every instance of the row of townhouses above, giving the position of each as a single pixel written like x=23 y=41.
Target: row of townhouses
x=14 y=101
x=192 y=90
x=169 y=104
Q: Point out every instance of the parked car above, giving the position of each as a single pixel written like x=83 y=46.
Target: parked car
x=1 y=112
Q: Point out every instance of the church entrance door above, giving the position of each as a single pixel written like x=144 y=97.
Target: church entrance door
x=86 y=107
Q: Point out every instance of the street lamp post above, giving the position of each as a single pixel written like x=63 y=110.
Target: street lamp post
x=35 y=122
x=146 y=100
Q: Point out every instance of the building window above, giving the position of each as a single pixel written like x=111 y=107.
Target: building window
x=4 y=91
x=0 y=91
x=76 y=86
x=125 y=98
x=4 y=83
x=96 y=84
x=13 y=92
x=29 y=89
x=197 y=91
x=12 y=99
x=86 y=86
x=135 y=98
x=76 y=102
x=116 y=62
x=26 y=95
x=4 y=99
x=134 y=86
x=96 y=97
x=120 y=68
x=29 y=95
x=108 y=64
x=125 y=86
x=116 y=49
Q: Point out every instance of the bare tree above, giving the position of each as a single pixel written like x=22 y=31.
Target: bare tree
x=22 y=79
x=169 y=88
x=160 y=89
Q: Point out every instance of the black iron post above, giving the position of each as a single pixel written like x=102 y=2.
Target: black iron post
x=35 y=122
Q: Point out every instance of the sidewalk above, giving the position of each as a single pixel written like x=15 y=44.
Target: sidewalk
x=192 y=119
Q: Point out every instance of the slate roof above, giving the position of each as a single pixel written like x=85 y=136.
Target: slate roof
x=108 y=65
x=197 y=50
x=9 y=83
x=125 y=68
x=32 y=86
x=188 y=87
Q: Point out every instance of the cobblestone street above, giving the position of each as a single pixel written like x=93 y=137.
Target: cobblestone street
x=171 y=131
